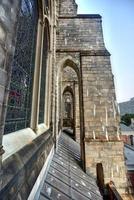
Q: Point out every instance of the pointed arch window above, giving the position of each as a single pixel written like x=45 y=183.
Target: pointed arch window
x=20 y=91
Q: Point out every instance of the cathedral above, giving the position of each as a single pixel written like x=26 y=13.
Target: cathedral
x=59 y=119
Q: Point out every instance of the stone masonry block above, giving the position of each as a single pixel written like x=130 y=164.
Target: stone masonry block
x=112 y=161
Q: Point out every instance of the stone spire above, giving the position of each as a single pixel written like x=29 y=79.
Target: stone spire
x=67 y=8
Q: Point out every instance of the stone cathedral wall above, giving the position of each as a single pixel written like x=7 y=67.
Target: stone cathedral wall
x=21 y=164
x=8 y=14
x=79 y=40
x=81 y=33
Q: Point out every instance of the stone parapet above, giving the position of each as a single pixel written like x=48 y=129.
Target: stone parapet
x=21 y=170
x=85 y=52
x=110 y=154
x=84 y=16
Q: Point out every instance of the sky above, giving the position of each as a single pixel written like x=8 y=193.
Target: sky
x=118 y=31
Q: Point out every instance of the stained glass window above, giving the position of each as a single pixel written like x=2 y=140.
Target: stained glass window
x=19 y=101
x=43 y=76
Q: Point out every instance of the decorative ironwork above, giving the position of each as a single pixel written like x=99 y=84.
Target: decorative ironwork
x=19 y=102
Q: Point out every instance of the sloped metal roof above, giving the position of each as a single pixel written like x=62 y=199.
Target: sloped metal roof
x=65 y=178
x=126 y=128
x=129 y=155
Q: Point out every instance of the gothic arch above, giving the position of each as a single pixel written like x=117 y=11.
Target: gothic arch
x=68 y=89
x=75 y=65
x=43 y=34
x=71 y=62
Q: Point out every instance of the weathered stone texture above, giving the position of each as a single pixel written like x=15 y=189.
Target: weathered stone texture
x=80 y=34
x=80 y=38
x=62 y=56
x=99 y=97
x=110 y=154
x=77 y=117
x=67 y=9
x=21 y=170
x=80 y=45
x=8 y=13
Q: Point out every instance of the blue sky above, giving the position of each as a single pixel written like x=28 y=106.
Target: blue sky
x=118 y=30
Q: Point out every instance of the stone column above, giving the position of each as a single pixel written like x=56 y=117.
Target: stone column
x=54 y=70
x=37 y=76
x=77 y=113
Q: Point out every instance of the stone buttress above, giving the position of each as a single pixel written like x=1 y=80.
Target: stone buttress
x=80 y=39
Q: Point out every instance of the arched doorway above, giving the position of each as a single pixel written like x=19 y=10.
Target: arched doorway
x=68 y=110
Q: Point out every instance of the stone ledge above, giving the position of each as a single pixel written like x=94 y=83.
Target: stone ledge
x=20 y=171
x=102 y=140
x=110 y=155
x=95 y=53
x=85 y=52
x=87 y=16
x=40 y=180
x=14 y=141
